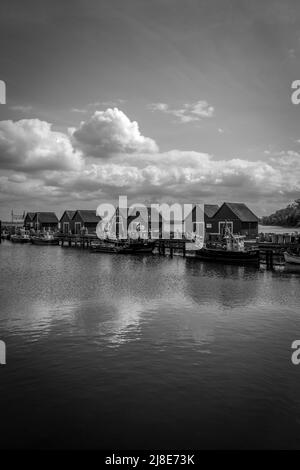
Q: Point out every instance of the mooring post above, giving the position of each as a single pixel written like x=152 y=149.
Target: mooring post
x=267 y=258
x=271 y=259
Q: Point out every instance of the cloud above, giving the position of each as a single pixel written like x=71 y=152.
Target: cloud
x=110 y=103
x=78 y=110
x=31 y=145
x=24 y=109
x=111 y=132
x=44 y=166
x=189 y=112
x=158 y=107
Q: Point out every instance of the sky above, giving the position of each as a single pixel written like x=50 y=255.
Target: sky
x=159 y=100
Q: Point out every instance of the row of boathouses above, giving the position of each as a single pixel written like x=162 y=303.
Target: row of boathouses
x=237 y=216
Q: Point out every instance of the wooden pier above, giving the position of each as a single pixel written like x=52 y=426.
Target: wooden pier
x=271 y=246
x=162 y=246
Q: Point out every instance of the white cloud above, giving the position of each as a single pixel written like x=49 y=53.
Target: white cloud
x=110 y=132
x=21 y=108
x=31 y=145
x=44 y=164
x=188 y=113
x=78 y=110
x=158 y=107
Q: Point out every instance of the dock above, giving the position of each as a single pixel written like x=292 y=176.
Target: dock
x=271 y=246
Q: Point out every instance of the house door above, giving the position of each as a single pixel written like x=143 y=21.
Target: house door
x=66 y=227
x=222 y=227
x=77 y=227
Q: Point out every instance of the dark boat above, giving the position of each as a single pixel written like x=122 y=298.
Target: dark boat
x=123 y=246
x=21 y=237
x=231 y=250
x=226 y=256
x=140 y=246
x=5 y=235
x=106 y=247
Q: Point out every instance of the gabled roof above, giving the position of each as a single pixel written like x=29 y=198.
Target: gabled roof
x=241 y=211
x=70 y=214
x=46 y=217
x=210 y=209
x=88 y=216
x=30 y=215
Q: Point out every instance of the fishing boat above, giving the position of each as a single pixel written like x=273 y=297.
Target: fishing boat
x=230 y=250
x=137 y=246
x=106 y=246
x=5 y=235
x=21 y=237
x=291 y=258
x=44 y=239
x=123 y=246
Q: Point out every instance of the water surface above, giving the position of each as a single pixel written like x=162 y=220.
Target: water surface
x=116 y=351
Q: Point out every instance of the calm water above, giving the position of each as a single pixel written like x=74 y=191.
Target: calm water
x=277 y=229
x=107 y=351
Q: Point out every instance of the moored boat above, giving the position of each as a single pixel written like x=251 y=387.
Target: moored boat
x=232 y=250
x=106 y=247
x=44 y=239
x=21 y=237
x=5 y=235
x=124 y=246
x=225 y=256
x=291 y=258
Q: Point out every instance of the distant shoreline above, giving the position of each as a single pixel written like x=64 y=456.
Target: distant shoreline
x=277 y=229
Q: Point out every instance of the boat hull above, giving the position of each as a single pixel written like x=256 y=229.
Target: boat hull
x=104 y=248
x=223 y=256
x=118 y=247
x=17 y=239
x=39 y=241
x=291 y=259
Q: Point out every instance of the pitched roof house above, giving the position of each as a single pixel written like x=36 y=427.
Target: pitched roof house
x=28 y=220
x=66 y=222
x=86 y=219
x=45 y=221
x=238 y=216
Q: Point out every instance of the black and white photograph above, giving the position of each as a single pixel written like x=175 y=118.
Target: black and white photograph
x=150 y=227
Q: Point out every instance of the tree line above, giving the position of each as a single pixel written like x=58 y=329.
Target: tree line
x=288 y=217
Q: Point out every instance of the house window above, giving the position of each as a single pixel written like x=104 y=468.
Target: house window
x=77 y=227
x=66 y=227
x=208 y=225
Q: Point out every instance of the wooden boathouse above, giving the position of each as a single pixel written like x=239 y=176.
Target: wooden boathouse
x=85 y=220
x=45 y=221
x=66 y=222
x=238 y=216
x=28 y=220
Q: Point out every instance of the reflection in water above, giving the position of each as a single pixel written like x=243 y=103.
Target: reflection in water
x=150 y=341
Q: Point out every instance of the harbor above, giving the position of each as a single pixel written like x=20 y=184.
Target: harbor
x=77 y=229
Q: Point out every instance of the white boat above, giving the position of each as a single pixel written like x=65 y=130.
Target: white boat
x=291 y=258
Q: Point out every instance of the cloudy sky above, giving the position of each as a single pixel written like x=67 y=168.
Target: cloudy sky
x=161 y=100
